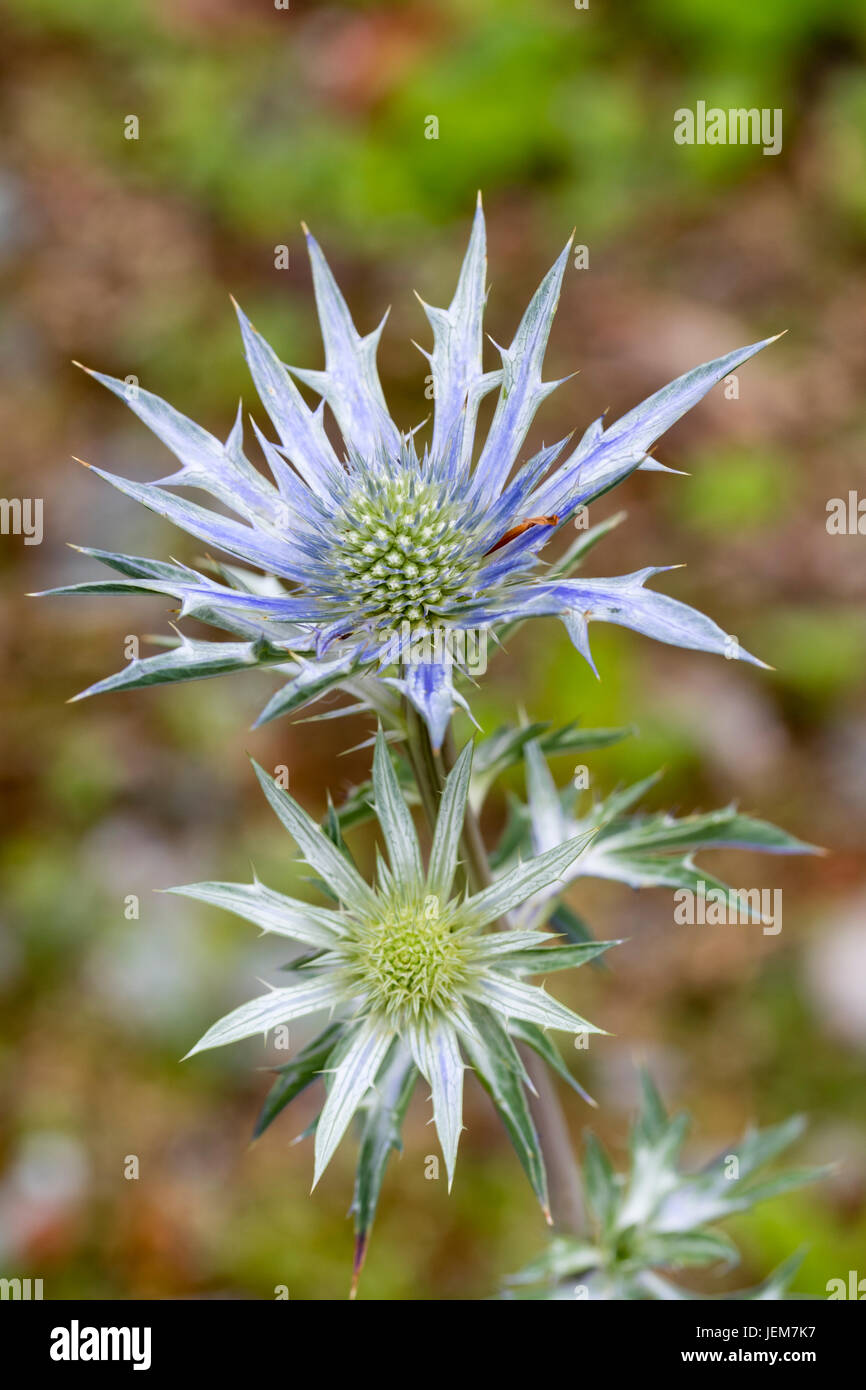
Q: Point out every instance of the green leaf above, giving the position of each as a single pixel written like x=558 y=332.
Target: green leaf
x=782 y=1182
x=297 y=1075
x=366 y=1047
x=303 y=961
x=358 y=807
x=449 y=825
x=190 y=661
x=493 y=755
x=312 y=680
x=653 y=1119
x=713 y=1194
x=550 y=958
x=273 y=912
x=655 y=1151
x=572 y=739
x=331 y=827
x=761 y=1146
x=680 y=1249
x=651 y=871
x=137 y=566
x=435 y=1049
x=564 y=1258
x=534 y=1037
x=600 y=1183
x=381 y=1123
x=648 y=851
x=620 y=801
x=499 y=1069
x=266 y=1012
x=521 y=882
x=316 y=848
x=505 y=745
x=394 y=818
x=514 y=999
x=656 y=1218
x=504 y=748
x=714 y=829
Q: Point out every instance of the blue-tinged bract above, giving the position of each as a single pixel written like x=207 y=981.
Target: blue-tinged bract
x=357 y=551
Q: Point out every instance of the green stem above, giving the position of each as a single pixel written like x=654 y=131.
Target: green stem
x=427 y=772
x=474 y=853
x=563 y=1178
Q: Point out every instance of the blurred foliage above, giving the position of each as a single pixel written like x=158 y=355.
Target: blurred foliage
x=122 y=253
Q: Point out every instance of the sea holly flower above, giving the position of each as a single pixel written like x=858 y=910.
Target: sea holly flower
x=411 y=973
x=656 y=1220
x=354 y=547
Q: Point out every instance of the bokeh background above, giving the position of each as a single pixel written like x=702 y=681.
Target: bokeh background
x=122 y=253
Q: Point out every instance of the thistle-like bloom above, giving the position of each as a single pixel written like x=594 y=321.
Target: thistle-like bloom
x=361 y=546
x=410 y=970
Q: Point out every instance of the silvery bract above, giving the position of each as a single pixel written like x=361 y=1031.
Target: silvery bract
x=411 y=969
x=656 y=1220
x=363 y=545
x=641 y=850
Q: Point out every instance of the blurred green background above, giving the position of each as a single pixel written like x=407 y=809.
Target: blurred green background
x=122 y=253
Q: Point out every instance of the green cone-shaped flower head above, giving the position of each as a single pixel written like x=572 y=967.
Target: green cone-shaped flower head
x=414 y=971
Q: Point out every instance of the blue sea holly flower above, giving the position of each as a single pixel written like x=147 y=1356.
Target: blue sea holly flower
x=414 y=974
x=353 y=548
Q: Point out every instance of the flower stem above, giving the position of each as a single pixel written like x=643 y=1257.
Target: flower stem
x=430 y=768
x=425 y=766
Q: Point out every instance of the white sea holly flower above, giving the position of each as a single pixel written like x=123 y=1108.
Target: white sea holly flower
x=410 y=970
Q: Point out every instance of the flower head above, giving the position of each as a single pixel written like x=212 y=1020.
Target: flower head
x=410 y=969
x=350 y=546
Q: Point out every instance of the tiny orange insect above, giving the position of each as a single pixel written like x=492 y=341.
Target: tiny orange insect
x=519 y=529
